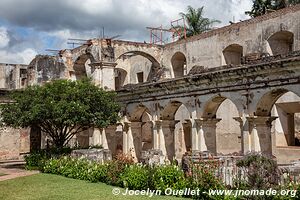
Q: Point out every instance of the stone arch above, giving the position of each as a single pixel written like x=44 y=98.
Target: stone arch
x=81 y=67
x=141 y=53
x=137 y=114
x=266 y=102
x=175 y=129
x=170 y=110
x=281 y=42
x=223 y=133
x=282 y=107
x=79 y=59
x=120 y=77
x=141 y=127
x=211 y=107
x=286 y=126
x=233 y=54
x=146 y=132
x=178 y=62
x=183 y=131
x=142 y=75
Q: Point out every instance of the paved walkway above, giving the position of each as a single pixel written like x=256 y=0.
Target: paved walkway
x=13 y=169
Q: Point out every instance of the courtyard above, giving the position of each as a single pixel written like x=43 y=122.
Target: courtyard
x=91 y=109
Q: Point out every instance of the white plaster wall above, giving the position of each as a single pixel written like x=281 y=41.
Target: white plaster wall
x=279 y=126
x=228 y=130
x=207 y=51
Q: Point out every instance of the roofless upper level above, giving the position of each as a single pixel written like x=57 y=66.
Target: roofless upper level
x=115 y=63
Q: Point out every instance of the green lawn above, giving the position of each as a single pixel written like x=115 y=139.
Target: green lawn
x=53 y=187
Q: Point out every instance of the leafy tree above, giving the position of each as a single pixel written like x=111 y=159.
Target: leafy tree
x=293 y=2
x=261 y=7
x=196 y=23
x=61 y=109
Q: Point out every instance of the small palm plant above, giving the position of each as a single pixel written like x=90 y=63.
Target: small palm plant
x=196 y=23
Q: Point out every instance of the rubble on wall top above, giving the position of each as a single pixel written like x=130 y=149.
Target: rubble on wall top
x=200 y=71
x=223 y=29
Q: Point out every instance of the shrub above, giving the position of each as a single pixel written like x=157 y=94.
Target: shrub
x=261 y=171
x=97 y=173
x=62 y=166
x=35 y=160
x=203 y=177
x=116 y=167
x=135 y=177
x=167 y=176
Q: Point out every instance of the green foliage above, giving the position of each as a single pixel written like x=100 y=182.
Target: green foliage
x=135 y=177
x=97 y=173
x=61 y=108
x=35 y=160
x=196 y=23
x=167 y=176
x=204 y=178
x=261 y=7
x=262 y=171
x=124 y=173
x=68 y=167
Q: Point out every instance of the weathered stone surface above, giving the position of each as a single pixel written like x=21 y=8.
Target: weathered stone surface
x=98 y=155
x=152 y=157
x=229 y=91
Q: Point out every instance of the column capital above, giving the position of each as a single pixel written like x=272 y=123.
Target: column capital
x=207 y=121
x=127 y=125
x=261 y=120
x=238 y=119
x=158 y=122
x=136 y=124
x=111 y=127
x=169 y=123
x=103 y=64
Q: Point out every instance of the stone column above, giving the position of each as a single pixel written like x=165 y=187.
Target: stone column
x=128 y=139
x=96 y=74
x=103 y=138
x=104 y=74
x=155 y=136
x=291 y=129
x=194 y=134
x=161 y=138
x=168 y=127
x=134 y=139
x=261 y=137
x=125 y=138
x=245 y=135
x=206 y=134
x=200 y=136
x=96 y=136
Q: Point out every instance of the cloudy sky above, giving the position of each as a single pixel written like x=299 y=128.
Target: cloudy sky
x=28 y=27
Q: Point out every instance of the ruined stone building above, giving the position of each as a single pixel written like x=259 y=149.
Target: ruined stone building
x=229 y=91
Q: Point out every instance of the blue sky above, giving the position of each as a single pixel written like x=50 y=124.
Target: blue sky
x=28 y=27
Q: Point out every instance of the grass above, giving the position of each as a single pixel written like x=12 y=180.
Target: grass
x=2 y=174
x=54 y=187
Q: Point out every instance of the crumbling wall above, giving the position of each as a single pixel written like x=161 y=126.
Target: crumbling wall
x=252 y=35
x=13 y=76
x=14 y=142
x=45 y=68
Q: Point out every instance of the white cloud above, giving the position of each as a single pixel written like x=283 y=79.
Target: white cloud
x=4 y=39
x=61 y=20
x=23 y=57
